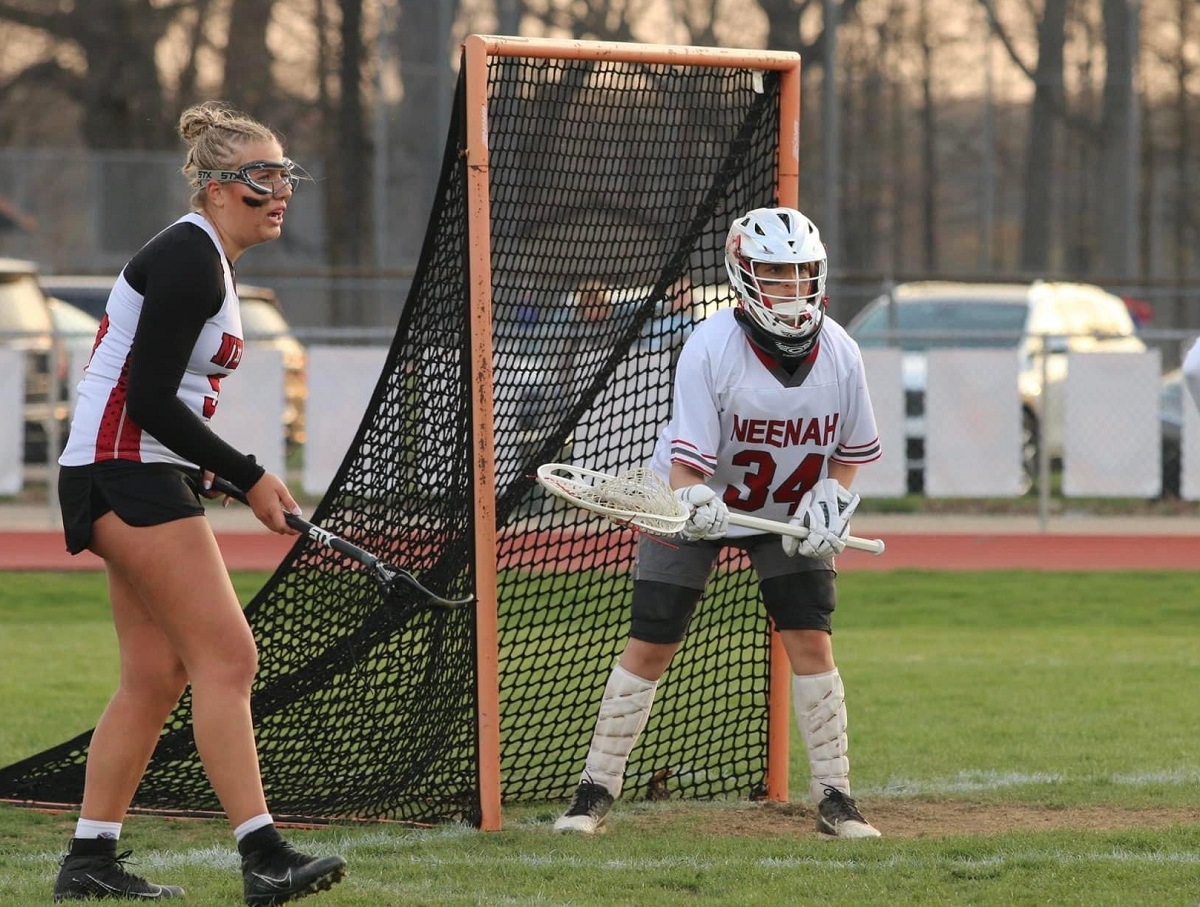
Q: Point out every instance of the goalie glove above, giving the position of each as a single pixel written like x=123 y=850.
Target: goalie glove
x=825 y=511
x=709 y=518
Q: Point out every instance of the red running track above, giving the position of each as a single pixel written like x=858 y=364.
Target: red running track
x=263 y=550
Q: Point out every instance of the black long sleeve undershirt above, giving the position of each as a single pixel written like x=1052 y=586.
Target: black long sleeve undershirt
x=179 y=276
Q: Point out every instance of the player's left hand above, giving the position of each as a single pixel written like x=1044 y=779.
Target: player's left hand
x=825 y=511
x=709 y=518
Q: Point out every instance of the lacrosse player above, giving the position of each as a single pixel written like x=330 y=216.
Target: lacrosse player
x=171 y=333
x=1191 y=372
x=771 y=417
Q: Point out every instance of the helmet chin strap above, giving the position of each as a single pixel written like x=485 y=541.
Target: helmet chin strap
x=773 y=346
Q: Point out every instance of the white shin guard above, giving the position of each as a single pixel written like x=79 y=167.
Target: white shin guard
x=820 y=704
x=624 y=711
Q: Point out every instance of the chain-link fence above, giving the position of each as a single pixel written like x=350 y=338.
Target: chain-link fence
x=95 y=208
x=48 y=373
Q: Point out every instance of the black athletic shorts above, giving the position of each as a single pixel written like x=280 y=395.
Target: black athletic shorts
x=798 y=592
x=141 y=494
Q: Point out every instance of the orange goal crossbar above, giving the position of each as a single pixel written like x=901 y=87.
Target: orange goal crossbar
x=477 y=49
x=626 y=52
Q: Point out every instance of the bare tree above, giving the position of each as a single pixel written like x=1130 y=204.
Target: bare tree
x=1049 y=105
x=1119 y=139
x=416 y=129
x=120 y=94
x=349 y=148
x=1184 y=224
x=697 y=18
x=929 y=179
x=594 y=20
x=248 y=83
x=869 y=165
x=196 y=42
x=352 y=164
x=1067 y=164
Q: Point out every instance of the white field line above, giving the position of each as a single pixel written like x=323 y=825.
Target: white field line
x=204 y=858
x=977 y=781
x=1022 y=857
x=968 y=782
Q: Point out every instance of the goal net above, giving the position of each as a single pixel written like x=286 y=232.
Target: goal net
x=576 y=238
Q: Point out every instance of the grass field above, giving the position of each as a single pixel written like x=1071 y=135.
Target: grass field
x=1020 y=738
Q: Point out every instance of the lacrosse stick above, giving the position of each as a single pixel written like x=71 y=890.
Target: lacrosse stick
x=639 y=498
x=387 y=575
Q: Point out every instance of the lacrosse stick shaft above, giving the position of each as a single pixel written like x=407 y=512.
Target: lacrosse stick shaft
x=568 y=482
x=389 y=573
x=321 y=536
x=385 y=573
x=873 y=546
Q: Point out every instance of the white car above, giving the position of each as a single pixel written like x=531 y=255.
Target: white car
x=27 y=325
x=1041 y=321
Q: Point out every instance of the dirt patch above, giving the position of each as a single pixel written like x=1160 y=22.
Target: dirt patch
x=946 y=819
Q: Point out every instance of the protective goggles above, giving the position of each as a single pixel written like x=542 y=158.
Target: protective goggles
x=264 y=177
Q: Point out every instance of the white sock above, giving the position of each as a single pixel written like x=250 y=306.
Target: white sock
x=253 y=824
x=624 y=711
x=89 y=828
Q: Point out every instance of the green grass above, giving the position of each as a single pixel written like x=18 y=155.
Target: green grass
x=1021 y=738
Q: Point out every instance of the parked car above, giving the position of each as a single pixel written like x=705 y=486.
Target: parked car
x=75 y=327
x=26 y=324
x=86 y=292
x=263 y=323
x=1041 y=321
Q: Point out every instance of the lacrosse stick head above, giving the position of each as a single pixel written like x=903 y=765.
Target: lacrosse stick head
x=394 y=580
x=637 y=498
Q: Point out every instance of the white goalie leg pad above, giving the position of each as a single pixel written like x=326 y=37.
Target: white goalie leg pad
x=820 y=704
x=624 y=711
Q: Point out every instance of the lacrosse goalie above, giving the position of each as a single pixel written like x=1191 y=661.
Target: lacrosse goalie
x=1191 y=372
x=770 y=417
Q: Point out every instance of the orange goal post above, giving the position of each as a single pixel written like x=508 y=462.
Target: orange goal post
x=481 y=56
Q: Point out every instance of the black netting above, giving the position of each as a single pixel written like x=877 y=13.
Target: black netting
x=612 y=186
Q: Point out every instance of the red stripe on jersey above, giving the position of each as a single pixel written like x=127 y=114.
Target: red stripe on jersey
x=858 y=455
x=129 y=445
x=119 y=437
x=689 y=455
x=692 y=450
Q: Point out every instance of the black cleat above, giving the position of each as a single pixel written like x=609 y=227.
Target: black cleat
x=280 y=874
x=104 y=877
x=588 y=810
x=838 y=816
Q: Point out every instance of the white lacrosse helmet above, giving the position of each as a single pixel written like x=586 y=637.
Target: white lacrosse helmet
x=789 y=310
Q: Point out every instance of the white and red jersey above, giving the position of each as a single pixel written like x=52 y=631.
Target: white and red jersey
x=102 y=428
x=762 y=436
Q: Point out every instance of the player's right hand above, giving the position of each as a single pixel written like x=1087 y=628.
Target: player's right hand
x=269 y=498
x=709 y=518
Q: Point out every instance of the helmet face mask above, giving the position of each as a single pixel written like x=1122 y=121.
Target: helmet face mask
x=777 y=266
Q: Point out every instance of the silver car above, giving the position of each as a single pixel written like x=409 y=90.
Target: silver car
x=1040 y=321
